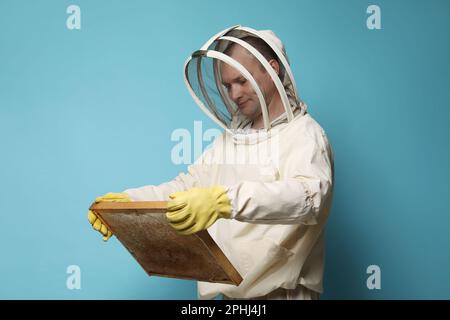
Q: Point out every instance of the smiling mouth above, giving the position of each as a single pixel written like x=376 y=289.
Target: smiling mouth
x=241 y=105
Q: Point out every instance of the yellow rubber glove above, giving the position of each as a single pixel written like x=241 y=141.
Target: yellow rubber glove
x=196 y=209
x=95 y=220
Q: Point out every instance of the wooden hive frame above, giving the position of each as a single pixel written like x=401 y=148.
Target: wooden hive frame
x=143 y=230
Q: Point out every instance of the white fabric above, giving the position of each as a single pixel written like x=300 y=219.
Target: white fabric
x=299 y=293
x=276 y=237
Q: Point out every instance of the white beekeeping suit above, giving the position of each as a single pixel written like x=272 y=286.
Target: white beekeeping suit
x=279 y=179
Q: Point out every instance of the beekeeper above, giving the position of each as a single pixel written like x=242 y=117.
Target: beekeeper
x=263 y=190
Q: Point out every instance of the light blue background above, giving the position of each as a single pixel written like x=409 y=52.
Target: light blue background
x=70 y=100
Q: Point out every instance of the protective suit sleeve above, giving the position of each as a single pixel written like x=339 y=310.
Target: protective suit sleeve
x=296 y=198
x=161 y=192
